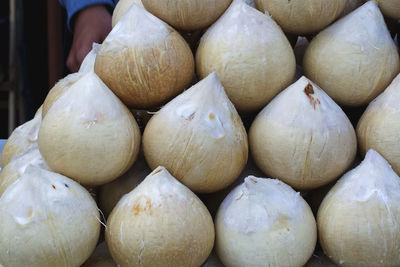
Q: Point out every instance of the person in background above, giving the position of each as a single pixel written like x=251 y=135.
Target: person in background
x=89 y=21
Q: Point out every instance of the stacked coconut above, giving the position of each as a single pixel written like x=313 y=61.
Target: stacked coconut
x=200 y=134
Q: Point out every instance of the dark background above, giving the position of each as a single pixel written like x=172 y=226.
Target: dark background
x=34 y=38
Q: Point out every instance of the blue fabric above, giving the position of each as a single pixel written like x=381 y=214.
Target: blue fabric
x=74 y=6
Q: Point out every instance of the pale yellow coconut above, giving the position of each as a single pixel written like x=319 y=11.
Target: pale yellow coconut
x=250 y=53
x=109 y=194
x=120 y=9
x=264 y=222
x=355 y=58
x=100 y=257
x=390 y=8
x=47 y=219
x=187 y=15
x=16 y=167
x=160 y=223
x=88 y=134
x=302 y=17
x=22 y=138
x=144 y=61
x=298 y=134
x=359 y=219
x=199 y=137
x=379 y=126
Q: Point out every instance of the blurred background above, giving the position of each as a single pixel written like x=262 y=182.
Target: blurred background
x=33 y=41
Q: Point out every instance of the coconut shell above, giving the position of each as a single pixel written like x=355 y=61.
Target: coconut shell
x=144 y=61
x=199 y=137
x=172 y=227
x=250 y=53
x=297 y=144
x=379 y=126
x=88 y=134
x=302 y=17
x=358 y=220
x=187 y=15
x=47 y=220
x=355 y=58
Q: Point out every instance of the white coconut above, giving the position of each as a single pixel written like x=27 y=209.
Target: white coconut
x=47 y=219
x=355 y=58
x=264 y=222
x=296 y=136
x=88 y=62
x=120 y=9
x=22 y=138
x=390 y=8
x=302 y=17
x=109 y=194
x=100 y=257
x=88 y=134
x=172 y=227
x=250 y=53
x=199 y=137
x=379 y=126
x=144 y=61
x=187 y=15
x=17 y=166
x=359 y=219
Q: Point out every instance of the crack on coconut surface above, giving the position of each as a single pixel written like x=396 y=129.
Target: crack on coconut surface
x=309 y=91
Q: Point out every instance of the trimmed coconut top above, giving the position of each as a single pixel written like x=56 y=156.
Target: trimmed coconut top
x=40 y=194
x=262 y=204
x=304 y=104
x=30 y=157
x=205 y=106
x=373 y=177
x=241 y=21
x=389 y=99
x=157 y=189
x=90 y=99
x=364 y=27
x=90 y=58
x=137 y=27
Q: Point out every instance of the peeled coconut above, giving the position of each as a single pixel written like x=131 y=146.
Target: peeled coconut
x=359 y=219
x=390 y=8
x=144 y=61
x=379 y=126
x=110 y=193
x=88 y=134
x=302 y=17
x=250 y=53
x=187 y=15
x=47 y=219
x=199 y=137
x=120 y=9
x=172 y=227
x=355 y=58
x=296 y=136
x=17 y=166
x=264 y=222
x=21 y=139
x=100 y=257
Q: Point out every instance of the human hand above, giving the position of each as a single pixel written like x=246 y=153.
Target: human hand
x=92 y=25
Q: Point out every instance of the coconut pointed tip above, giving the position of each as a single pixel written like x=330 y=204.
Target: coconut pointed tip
x=374 y=157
